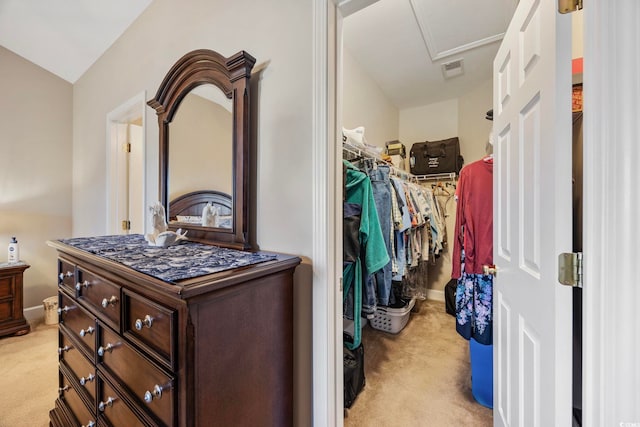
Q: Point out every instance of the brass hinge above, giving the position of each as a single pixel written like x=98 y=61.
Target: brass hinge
x=570 y=269
x=569 y=6
x=126 y=147
x=126 y=225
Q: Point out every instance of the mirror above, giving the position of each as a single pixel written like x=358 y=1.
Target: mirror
x=200 y=153
x=203 y=117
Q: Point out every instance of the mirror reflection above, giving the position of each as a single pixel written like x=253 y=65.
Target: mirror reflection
x=200 y=158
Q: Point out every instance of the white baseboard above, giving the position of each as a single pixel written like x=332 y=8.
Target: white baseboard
x=435 y=295
x=34 y=314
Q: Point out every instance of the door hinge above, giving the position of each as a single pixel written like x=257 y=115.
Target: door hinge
x=570 y=269
x=126 y=225
x=126 y=147
x=569 y=6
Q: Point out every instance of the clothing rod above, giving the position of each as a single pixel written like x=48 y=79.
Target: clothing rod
x=366 y=153
x=437 y=177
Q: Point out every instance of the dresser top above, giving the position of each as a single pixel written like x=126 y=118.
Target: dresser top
x=181 y=268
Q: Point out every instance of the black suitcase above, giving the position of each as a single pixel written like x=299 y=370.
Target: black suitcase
x=353 y=371
x=434 y=157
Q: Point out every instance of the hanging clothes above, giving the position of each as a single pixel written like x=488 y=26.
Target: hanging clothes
x=473 y=248
x=373 y=254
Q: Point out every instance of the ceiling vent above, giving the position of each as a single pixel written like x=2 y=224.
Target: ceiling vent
x=452 y=69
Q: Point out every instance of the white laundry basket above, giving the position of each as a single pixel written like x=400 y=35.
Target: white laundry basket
x=50 y=310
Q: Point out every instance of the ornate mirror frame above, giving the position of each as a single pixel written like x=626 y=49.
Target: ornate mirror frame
x=231 y=75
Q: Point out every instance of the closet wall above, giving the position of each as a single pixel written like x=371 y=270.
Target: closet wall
x=364 y=104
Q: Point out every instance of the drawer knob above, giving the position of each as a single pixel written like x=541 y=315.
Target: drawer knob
x=107 y=348
x=64 y=310
x=64 y=349
x=111 y=301
x=148 y=321
x=90 y=424
x=103 y=405
x=84 y=284
x=67 y=274
x=61 y=390
x=87 y=331
x=87 y=379
x=156 y=393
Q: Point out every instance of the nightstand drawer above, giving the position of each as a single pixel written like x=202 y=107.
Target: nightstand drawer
x=150 y=325
x=101 y=295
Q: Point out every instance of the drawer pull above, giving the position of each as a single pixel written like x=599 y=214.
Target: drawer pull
x=63 y=349
x=155 y=394
x=87 y=379
x=111 y=301
x=88 y=331
x=148 y=321
x=109 y=402
x=64 y=310
x=84 y=284
x=109 y=347
x=67 y=274
x=61 y=390
x=90 y=424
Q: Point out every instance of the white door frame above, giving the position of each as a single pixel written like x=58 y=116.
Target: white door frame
x=611 y=340
x=130 y=109
x=611 y=329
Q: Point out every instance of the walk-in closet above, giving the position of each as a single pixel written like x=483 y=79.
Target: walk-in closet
x=416 y=80
x=409 y=77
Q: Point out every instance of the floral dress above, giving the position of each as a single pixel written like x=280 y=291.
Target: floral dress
x=474 y=317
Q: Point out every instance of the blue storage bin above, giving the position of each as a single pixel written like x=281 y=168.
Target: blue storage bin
x=481 y=372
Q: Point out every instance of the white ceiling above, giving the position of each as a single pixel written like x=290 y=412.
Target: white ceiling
x=65 y=36
x=401 y=43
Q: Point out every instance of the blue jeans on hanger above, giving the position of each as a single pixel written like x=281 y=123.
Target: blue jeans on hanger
x=379 y=176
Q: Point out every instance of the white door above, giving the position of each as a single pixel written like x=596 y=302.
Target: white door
x=136 y=185
x=532 y=218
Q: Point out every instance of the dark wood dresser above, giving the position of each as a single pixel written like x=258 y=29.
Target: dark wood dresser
x=12 y=321
x=134 y=350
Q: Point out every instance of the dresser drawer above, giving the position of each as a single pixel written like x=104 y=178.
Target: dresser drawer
x=112 y=407
x=67 y=276
x=150 y=386
x=78 y=322
x=150 y=325
x=101 y=295
x=82 y=370
x=71 y=398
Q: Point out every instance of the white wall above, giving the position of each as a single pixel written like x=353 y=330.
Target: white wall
x=35 y=169
x=429 y=122
x=278 y=33
x=364 y=104
x=473 y=127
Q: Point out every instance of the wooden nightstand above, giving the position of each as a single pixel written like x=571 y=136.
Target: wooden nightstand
x=12 y=321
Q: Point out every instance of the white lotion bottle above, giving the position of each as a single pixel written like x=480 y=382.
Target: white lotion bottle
x=13 y=251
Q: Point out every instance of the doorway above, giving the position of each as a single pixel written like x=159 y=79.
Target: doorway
x=126 y=168
x=454 y=104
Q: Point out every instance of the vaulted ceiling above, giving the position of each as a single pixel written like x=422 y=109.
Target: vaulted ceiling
x=65 y=37
x=402 y=44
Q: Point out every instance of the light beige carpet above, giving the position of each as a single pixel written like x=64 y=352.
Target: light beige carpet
x=28 y=377
x=419 y=377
